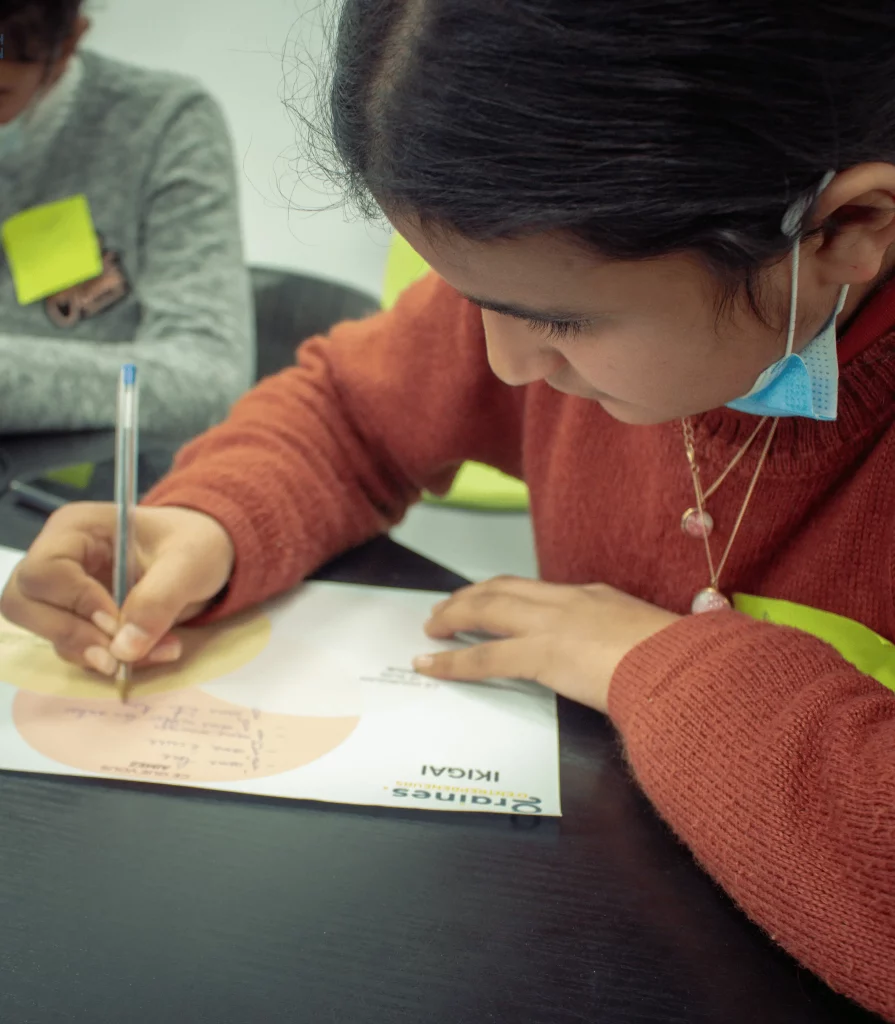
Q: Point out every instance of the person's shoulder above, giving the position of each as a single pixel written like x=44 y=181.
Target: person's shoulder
x=118 y=85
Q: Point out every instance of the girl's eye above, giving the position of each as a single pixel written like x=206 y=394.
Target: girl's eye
x=557 y=328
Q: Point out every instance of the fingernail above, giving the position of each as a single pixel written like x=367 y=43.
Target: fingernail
x=100 y=659
x=423 y=662
x=169 y=650
x=129 y=643
x=106 y=622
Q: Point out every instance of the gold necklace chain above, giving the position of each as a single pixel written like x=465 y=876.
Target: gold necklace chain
x=736 y=459
x=697 y=521
x=711 y=598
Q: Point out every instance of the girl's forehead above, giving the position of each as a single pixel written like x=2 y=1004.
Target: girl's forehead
x=549 y=272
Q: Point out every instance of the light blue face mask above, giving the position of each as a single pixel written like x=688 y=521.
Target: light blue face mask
x=802 y=383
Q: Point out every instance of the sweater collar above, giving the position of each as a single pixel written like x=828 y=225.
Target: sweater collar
x=52 y=111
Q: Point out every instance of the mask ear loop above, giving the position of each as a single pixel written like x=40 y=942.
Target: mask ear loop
x=793 y=298
x=792 y=228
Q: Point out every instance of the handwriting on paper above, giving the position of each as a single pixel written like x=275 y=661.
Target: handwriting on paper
x=399 y=676
x=188 y=736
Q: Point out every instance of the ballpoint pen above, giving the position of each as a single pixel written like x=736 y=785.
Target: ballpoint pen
x=126 y=445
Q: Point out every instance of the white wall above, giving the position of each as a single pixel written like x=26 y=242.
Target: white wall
x=249 y=55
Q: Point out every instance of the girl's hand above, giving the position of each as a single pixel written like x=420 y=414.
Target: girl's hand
x=568 y=638
x=61 y=588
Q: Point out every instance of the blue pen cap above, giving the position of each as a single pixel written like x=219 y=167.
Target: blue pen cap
x=129 y=373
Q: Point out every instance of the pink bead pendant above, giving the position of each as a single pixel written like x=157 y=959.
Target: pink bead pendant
x=697 y=524
x=709 y=600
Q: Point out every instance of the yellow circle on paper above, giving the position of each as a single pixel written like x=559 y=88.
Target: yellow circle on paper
x=209 y=652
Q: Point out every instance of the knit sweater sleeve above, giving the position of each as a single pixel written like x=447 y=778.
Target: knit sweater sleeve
x=772 y=758
x=331 y=452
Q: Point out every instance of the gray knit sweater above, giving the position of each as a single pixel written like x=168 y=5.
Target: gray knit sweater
x=152 y=153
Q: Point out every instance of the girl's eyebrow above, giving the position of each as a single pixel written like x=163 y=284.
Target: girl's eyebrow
x=523 y=313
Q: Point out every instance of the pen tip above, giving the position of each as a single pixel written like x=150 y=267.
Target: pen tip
x=122 y=679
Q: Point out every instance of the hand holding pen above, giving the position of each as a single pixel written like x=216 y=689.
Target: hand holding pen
x=60 y=590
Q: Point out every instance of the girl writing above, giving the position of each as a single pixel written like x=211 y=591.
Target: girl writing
x=662 y=236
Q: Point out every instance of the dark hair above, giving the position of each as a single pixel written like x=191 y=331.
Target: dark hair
x=641 y=127
x=34 y=30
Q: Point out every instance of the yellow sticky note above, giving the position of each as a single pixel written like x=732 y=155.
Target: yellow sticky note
x=50 y=248
x=869 y=652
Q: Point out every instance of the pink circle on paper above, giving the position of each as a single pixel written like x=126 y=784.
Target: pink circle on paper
x=180 y=737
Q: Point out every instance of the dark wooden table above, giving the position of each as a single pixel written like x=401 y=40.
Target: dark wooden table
x=131 y=904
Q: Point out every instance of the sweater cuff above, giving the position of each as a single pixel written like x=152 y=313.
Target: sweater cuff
x=652 y=668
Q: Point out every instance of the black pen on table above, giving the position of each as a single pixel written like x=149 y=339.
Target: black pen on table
x=36 y=498
x=126 y=447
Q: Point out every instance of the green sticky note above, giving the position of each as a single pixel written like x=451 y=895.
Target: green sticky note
x=78 y=476
x=869 y=652
x=404 y=266
x=50 y=248
x=483 y=487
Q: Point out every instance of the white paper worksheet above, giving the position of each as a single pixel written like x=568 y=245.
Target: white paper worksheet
x=310 y=697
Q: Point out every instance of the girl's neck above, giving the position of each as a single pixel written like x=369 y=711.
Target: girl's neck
x=860 y=294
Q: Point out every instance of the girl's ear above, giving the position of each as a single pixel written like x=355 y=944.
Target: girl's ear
x=856 y=213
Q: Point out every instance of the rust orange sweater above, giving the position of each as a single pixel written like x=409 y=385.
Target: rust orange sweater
x=769 y=755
